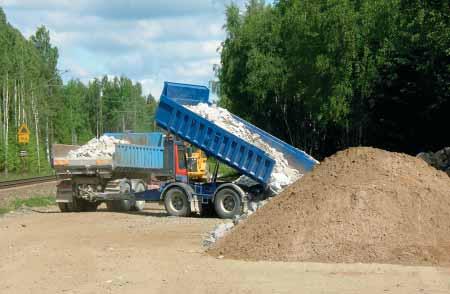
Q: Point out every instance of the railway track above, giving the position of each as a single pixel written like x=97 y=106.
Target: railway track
x=26 y=182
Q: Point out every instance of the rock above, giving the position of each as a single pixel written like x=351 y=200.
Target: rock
x=282 y=175
x=439 y=159
x=102 y=147
x=252 y=206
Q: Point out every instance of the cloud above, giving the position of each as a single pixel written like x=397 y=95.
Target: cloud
x=148 y=41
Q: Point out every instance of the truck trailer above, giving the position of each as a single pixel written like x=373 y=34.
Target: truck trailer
x=160 y=166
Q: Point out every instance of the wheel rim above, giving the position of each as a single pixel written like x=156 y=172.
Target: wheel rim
x=228 y=203
x=176 y=201
x=139 y=204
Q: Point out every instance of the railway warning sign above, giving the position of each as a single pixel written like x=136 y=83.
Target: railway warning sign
x=23 y=134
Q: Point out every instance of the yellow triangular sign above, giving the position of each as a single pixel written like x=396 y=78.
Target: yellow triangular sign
x=23 y=134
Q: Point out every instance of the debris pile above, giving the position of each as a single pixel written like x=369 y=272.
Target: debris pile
x=101 y=148
x=359 y=205
x=282 y=175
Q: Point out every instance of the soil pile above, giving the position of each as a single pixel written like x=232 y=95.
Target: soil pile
x=359 y=205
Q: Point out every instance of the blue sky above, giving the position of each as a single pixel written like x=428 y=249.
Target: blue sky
x=148 y=41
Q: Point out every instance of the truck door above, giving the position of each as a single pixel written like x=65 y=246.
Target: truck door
x=181 y=173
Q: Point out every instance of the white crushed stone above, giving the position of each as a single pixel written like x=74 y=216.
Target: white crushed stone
x=222 y=229
x=282 y=174
x=219 y=231
x=101 y=148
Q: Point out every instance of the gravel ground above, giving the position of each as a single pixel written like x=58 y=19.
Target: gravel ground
x=44 y=251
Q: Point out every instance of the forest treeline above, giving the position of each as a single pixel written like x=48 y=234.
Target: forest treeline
x=329 y=74
x=32 y=92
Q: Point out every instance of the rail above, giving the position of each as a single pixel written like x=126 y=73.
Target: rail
x=25 y=182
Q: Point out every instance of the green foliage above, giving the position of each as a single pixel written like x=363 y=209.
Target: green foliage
x=32 y=92
x=225 y=171
x=325 y=75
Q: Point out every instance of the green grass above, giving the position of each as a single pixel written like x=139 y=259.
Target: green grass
x=224 y=170
x=4 y=210
x=36 y=201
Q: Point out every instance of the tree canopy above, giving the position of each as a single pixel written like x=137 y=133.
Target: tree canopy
x=32 y=92
x=325 y=75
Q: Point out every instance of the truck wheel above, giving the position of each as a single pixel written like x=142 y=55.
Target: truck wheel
x=63 y=207
x=124 y=187
x=228 y=203
x=88 y=206
x=208 y=210
x=176 y=202
x=138 y=205
x=81 y=205
x=110 y=205
x=118 y=205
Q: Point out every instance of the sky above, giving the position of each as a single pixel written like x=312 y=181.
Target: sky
x=150 y=41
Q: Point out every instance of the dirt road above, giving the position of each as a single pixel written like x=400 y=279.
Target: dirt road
x=105 y=252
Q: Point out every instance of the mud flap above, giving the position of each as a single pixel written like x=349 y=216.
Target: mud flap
x=64 y=193
x=196 y=206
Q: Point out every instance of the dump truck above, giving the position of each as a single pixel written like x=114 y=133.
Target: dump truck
x=160 y=166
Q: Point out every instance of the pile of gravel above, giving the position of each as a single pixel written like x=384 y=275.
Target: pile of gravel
x=101 y=148
x=283 y=174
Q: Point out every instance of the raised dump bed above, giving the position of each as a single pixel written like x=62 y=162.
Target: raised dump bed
x=217 y=142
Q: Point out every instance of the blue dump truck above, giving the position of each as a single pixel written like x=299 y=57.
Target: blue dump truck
x=155 y=166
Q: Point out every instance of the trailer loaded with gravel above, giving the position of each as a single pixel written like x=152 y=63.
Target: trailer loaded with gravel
x=126 y=169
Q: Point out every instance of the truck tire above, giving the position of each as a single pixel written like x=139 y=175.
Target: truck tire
x=110 y=205
x=63 y=207
x=176 y=202
x=138 y=205
x=118 y=205
x=208 y=210
x=121 y=205
x=227 y=203
x=81 y=205
x=87 y=206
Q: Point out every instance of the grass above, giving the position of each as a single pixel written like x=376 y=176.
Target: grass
x=36 y=201
x=4 y=210
x=224 y=170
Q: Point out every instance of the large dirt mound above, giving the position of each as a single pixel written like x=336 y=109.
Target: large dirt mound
x=359 y=205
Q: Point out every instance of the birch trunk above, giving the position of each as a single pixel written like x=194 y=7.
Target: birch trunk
x=6 y=117
x=23 y=104
x=16 y=123
x=1 y=115
x=36 y=125
x=20 y=101
x=47 y=145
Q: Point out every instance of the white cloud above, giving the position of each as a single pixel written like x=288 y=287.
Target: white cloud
x=148 y=41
